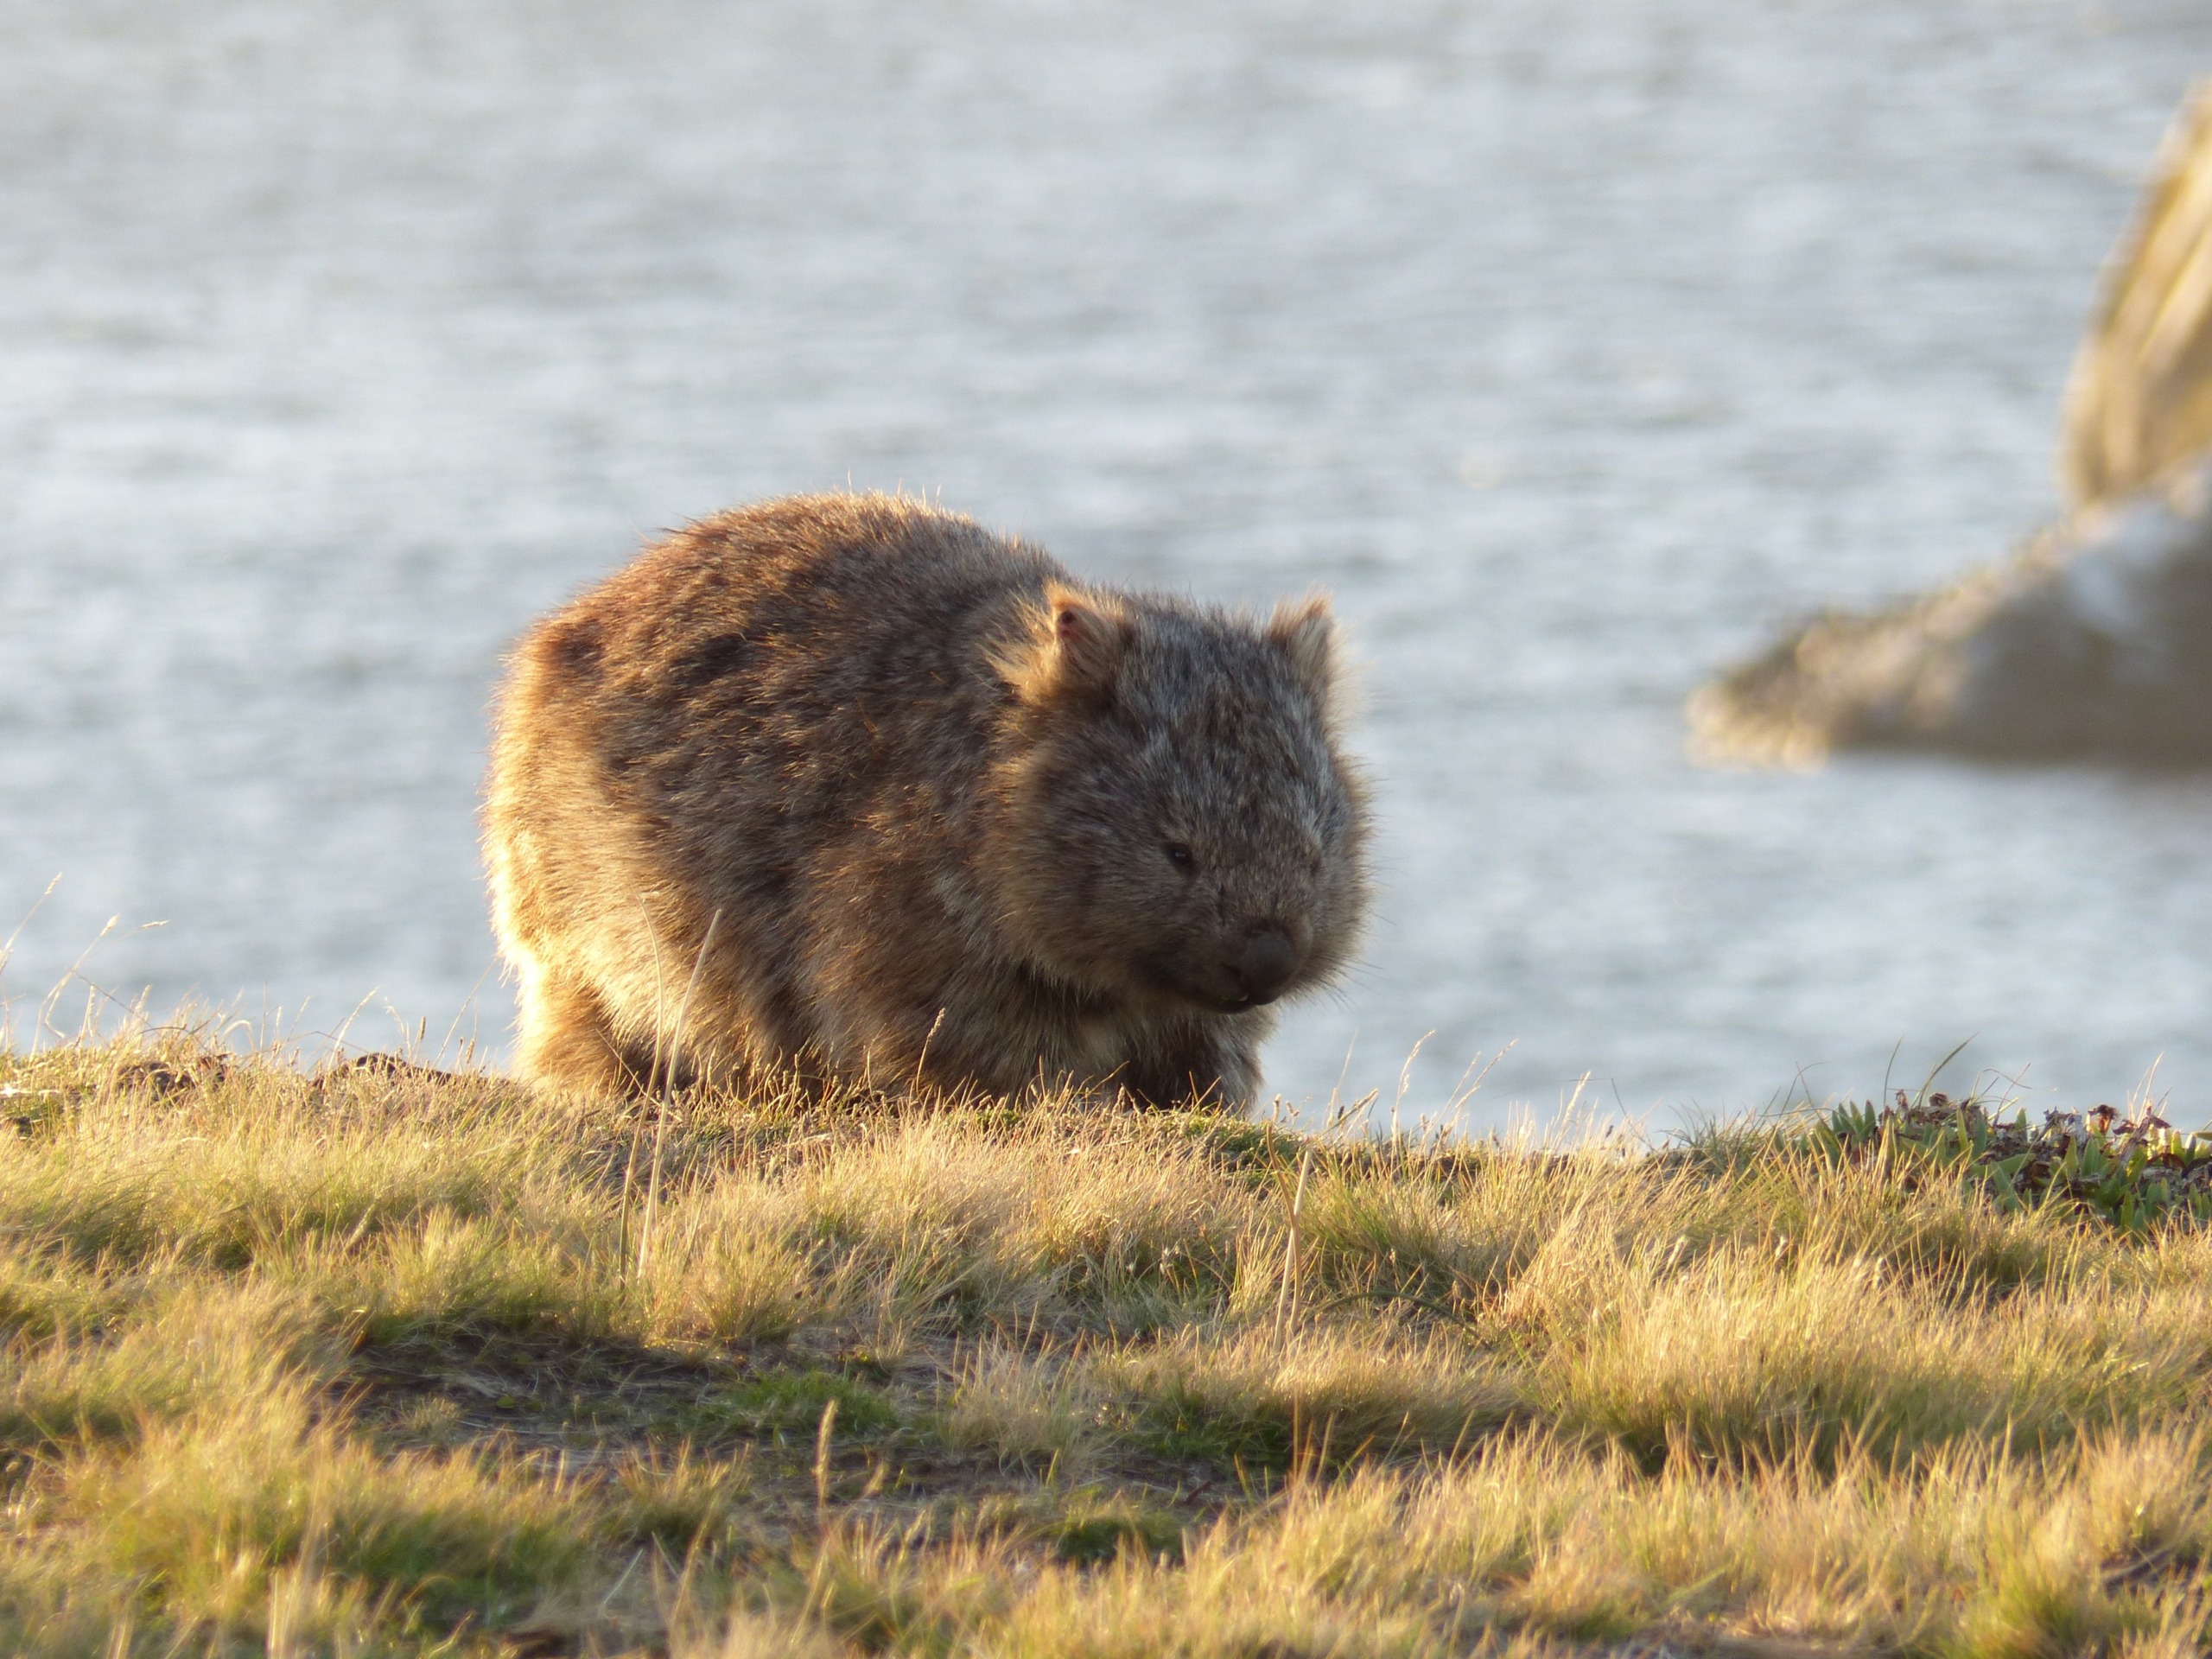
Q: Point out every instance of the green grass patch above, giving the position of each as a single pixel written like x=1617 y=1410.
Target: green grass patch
x=1092 y=1531
x=784 y=1401
x=2136 y=1174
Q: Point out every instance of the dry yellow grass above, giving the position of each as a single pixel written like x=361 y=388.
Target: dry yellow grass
x=390 y=1362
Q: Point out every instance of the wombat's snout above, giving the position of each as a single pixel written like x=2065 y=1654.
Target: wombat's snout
x=1264 y=965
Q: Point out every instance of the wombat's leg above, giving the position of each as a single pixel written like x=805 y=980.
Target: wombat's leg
x=567 y=1042
x=1206 y=1067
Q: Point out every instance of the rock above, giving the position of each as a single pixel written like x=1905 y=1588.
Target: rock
x=2093 y=640
x=2139 y=403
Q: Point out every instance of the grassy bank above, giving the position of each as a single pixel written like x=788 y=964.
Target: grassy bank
x=388 y=1361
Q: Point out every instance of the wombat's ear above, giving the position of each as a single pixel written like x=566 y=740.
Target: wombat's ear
x=1084 y=636
x=1305 y=631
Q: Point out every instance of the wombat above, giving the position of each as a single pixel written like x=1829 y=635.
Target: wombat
x=847 y=783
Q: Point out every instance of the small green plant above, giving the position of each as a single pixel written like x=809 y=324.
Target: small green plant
x=1091 y=1532
x=795 y=1400
x=2137 y=1175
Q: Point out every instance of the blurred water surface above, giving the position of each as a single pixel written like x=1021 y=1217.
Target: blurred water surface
x=1572 y=345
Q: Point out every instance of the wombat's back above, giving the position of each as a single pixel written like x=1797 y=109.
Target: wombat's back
x=707 y=735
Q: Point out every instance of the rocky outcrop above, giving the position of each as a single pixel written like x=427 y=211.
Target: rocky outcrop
x=2095 y=639
x=2140 y=404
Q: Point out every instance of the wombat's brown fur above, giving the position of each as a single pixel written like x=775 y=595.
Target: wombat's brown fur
x=947 y=814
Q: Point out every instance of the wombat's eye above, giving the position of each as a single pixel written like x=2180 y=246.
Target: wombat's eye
x=1179 y=855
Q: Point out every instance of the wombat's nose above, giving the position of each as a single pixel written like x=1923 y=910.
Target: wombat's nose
x=1266 y=965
